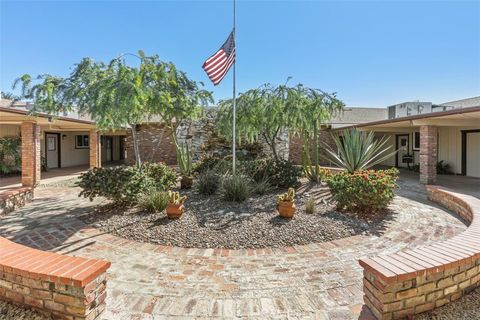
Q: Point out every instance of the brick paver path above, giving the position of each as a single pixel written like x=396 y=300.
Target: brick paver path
x=317 y=281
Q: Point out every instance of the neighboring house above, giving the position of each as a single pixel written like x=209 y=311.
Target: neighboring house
x=425 y=138
x=58 y=142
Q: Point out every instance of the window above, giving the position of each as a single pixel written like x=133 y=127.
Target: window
x=81 y=142
x=416 y=140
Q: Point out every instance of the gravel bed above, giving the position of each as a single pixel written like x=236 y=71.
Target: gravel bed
x=10 y=311
x=210 y=222
x=465 y=308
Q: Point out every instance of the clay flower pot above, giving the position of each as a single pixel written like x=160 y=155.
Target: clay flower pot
x=186 y=182
x=286 y=209
x=174 y=211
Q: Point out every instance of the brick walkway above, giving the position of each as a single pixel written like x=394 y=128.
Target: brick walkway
x=317 y=281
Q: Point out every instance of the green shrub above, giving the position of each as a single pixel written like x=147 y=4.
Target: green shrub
x=262 y=186
x=207 y=182
x=10 y=157
x=236 y=188
x=155 y=201
x=363 y=191
x=281 y=173
x=443 y=167
x=124 y=183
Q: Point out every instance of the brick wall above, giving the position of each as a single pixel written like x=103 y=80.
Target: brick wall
x=31 y=163
x=60 y=287
x=15 y=198
x=296 y=147
x=155 y=144
x=428 y=154
x=414 y=281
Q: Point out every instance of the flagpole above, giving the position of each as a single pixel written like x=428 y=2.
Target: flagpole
x=234 y=92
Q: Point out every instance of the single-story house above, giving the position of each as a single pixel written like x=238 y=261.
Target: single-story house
x=58 y=142
x=448 y=132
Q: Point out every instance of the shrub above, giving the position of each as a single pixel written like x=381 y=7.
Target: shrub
x=125 y=184
x=207 y=182
x=280 y=173
x=236 y=188
x=443 y=167
x=310 y=205
x=262 y=186
x=363 y=191
x=155 y=201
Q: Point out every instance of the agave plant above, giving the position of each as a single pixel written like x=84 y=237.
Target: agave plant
x=358 y=150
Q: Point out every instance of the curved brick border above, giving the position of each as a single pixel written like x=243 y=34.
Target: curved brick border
x=14 y=198
x=59 y=286
x=413 y=281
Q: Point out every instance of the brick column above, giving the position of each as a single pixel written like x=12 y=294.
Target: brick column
x=31 y=162
x=95 y=149
x=428 y=154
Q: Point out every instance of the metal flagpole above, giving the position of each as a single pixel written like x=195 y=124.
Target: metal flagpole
x=234 y=93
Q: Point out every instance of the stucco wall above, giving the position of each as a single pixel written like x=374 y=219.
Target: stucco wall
x=9 y=130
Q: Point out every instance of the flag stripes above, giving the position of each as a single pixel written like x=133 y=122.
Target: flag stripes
x=218 y=64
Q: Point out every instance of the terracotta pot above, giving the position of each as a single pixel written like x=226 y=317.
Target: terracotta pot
x=174 y=211
x=286 y=209
x=186 y=182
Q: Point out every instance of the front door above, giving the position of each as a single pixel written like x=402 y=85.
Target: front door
x=402 y=147
x=52 y=150
x=108 y=148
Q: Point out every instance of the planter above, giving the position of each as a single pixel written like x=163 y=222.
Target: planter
x=286 y=209
x=174 y=211
x=186 y=182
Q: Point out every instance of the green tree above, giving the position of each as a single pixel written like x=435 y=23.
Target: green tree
x=262 y=112
x=116 y=94
x=312 y=113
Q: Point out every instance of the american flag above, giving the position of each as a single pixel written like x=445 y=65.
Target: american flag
x=218 y=64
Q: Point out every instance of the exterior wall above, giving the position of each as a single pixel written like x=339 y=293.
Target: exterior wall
x=449 y=146
x=296 y=147
x=70 y=155
x=8 y=130
x=155 y=144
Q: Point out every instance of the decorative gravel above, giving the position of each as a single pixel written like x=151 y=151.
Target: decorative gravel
x=465 y=308
x=10 y=311
x=211 y=222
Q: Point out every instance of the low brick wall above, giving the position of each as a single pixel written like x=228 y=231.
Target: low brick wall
x=59 y=286
x=14 y=198
x=414 y=281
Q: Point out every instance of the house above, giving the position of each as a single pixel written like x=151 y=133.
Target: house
x=57 y=142
x=424 y=134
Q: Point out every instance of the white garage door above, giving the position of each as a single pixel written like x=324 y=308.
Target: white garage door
x=473 y=154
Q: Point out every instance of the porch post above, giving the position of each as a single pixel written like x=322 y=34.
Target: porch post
x=95 y=149
x=31 y=162
x=428 y=154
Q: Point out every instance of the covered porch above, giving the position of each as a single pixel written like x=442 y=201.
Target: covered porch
x=448 y=142
x=58 y=145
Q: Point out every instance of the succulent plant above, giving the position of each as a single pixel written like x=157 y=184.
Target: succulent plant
x=287 y=196
x=175 y=199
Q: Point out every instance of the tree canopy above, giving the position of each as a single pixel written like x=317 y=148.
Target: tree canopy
x=117 y=94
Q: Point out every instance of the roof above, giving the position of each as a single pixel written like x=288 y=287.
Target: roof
x=357 y=115
x=463 y=103
x=461 y=116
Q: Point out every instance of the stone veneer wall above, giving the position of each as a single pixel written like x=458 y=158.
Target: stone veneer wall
x=15 y=198
x=201 y=136
x=409 y=282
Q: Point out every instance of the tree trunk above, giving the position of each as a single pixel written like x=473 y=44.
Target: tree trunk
x=315 y=149
x=136 y=151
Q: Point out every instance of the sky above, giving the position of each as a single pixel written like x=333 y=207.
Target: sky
x=371 y=53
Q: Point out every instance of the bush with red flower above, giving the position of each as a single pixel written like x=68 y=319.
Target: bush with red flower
x=363 y=191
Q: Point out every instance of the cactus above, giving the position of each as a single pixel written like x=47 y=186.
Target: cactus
x=175 y=199
x=184 y=160
x=287 y=196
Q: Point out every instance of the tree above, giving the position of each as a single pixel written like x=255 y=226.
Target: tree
x=116 y=95
x=313 y=111
x=261 y=112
